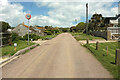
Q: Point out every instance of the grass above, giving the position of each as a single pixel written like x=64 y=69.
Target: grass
x=107 y=61
x=82 y=36
x=49 y=36
x=9 y=50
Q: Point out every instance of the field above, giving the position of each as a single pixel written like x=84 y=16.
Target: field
x=9 y=50
x=82 y=36
x=107 y=61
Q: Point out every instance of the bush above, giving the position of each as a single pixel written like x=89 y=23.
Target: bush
x=31 y=36
x=48 y=32
x=15 y=37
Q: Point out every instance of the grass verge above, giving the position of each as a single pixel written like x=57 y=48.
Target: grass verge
x=9 y=50
x=82 y=36
x=107 y=61
x=49 y=36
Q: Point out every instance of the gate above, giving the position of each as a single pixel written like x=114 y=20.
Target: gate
x=114 y=33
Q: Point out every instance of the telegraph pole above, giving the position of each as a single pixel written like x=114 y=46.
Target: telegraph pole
x=86 y=18
x=76 y=21
x=119 y=14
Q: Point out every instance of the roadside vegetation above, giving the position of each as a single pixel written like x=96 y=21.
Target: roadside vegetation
x=9 y=50
x=101 y=54
x=48 y=37
x=9 y=38
x=83 y=36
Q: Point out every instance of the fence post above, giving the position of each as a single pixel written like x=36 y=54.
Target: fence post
x=87 y=41
x=117 y=58
x=97 y=45
x=108 y=35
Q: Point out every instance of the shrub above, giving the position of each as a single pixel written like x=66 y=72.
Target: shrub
x=31 y=36
x=15 y=37
x=48 y=32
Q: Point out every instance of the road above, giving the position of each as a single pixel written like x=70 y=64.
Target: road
x=61 y=57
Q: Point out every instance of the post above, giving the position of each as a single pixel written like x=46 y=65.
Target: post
x=28 y=32
x=87 y=41
x=86 y=18
x=119 y=13
x=108 y=35
x=28 y=16
x=15 y=45
x=15 y=49
x=97 y=45
x=117 y=58
x=76 y=21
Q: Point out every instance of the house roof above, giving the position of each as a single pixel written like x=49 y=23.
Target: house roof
x=40 y=28
x=27 y=26
x=113 y=18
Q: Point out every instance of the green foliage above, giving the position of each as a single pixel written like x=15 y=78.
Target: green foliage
x=5 y=40
x=5 y=26
x=9 y=50
x=73 y=29
x=15 y=36
x=48 y=27
x=107 y=61
x=80 y=27
x=82 y=36
x=49 y=36
x=51 y=30
x=64 y=29
x=31 y=36
x=96 y=23
x=6 y=37
x=48 y=32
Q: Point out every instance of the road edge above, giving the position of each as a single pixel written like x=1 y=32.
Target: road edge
x=18 y=53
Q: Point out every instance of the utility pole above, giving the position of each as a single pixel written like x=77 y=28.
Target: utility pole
x=119 y=14
x=75 y=21
x=86 y=18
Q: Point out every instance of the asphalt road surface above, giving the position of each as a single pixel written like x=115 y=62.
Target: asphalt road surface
x=61 y=57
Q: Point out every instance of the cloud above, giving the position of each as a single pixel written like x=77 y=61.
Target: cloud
x=60 y=13
x=76 y=0
x=11 y=13
x=67 y=12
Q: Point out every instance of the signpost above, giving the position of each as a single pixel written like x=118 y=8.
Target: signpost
x=15 y=45
x=28 y=17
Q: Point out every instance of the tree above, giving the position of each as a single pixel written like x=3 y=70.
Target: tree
x=80 y=27
x=15 y=37
x=4 y=26
x=96 y=22
x=73 y=29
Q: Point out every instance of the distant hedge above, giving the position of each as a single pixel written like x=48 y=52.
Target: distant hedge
x=48 y=32
x=31 y=36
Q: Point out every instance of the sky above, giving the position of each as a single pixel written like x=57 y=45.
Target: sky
x=55 y=13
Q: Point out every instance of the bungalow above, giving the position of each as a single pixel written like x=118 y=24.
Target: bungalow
x=112 y=21
x=114 y=27
x=22 y=30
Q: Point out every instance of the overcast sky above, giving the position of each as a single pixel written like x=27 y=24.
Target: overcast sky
x=54 y=13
